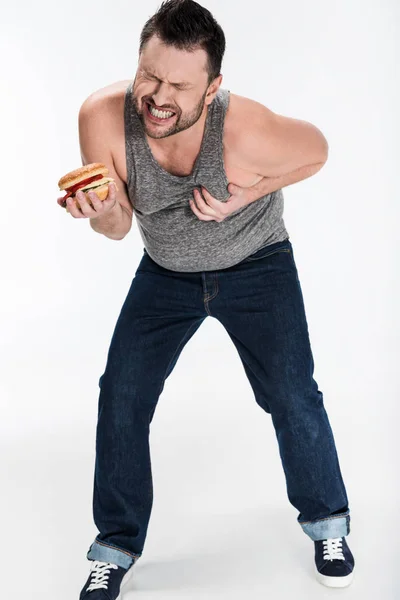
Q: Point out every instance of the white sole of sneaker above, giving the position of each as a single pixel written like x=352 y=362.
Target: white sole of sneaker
x=124 y=580
x=334 y=582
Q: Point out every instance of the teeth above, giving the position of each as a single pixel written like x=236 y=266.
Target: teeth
x=160 y=114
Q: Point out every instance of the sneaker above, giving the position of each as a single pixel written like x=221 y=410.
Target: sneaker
x=334 y=562
x=105 y=581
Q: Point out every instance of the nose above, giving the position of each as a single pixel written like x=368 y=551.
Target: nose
x=160 y=105
x=159 y=98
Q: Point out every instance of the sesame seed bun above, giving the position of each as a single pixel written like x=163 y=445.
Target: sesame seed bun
x=74 y=177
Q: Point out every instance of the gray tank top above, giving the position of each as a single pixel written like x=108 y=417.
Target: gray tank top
x=172 y=234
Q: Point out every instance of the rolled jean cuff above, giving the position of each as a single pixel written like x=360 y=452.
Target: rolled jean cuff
x=335 y=526
x=106 y=553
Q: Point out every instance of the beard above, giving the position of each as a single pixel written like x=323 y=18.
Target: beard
x=181 y=121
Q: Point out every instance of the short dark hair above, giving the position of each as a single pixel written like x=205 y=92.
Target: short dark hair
x=186 y=25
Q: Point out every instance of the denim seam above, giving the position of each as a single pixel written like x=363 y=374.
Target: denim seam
x=207 y=299
x=116 y=548
x=325 y=519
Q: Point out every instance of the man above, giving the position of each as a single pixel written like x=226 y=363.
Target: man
x=203 y=170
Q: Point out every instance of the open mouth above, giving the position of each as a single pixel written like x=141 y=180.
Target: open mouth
x=159 y=116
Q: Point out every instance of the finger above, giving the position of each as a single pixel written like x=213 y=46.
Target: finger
x=60 y=201
x=233 y=189
x=218 y=213
x=210 y=200
x=202 y=205
x=86 y=209
x=73 y=209
x=111 y=199
x=108 y=203
x=199 y=214
x=96 y=203
x=221 y=209
x=215 y=207
x=112 y=193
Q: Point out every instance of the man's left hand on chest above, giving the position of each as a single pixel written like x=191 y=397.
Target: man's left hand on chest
x=208 y=208
x=280 y=149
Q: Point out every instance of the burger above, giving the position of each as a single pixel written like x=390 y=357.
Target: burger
x=91 y=177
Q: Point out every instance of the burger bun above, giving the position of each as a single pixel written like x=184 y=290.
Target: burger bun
x=101 y=192
x=77 y=175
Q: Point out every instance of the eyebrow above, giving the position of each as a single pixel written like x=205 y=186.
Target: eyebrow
x=155 y=77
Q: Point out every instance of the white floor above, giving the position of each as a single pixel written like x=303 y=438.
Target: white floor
x=221 y=524
x=192 y=551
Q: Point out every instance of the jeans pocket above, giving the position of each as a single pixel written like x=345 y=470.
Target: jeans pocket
x=284 y=246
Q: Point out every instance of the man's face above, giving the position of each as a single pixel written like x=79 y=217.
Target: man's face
x=173 y=80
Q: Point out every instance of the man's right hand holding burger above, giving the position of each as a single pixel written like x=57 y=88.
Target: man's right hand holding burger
x=97 y=207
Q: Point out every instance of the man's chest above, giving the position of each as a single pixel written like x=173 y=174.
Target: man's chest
x=182 y=162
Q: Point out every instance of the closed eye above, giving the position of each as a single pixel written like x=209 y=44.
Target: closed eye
x=176 y=85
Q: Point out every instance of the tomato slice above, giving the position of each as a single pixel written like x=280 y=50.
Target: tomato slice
x=77 y=186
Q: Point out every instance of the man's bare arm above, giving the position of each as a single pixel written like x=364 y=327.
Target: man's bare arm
x=267 y=185
x=94 y=138
x=281 y=149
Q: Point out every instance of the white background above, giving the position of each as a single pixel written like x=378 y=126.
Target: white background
x=221 y=526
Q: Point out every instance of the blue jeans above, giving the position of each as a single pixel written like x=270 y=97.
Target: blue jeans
x=259 y=302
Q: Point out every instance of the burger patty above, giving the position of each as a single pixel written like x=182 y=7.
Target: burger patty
x=89 y=186
x=94 y=184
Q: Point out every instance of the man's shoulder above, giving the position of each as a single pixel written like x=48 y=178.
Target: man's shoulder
x=106 y=98
x=101 y=122
x=245 y=117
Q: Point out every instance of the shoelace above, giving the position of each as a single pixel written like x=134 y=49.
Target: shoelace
x=99 y=574
x=333 y=549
